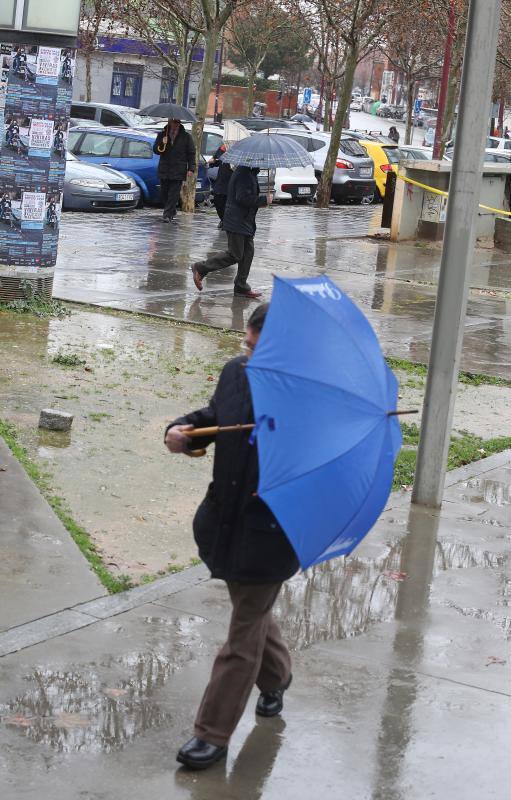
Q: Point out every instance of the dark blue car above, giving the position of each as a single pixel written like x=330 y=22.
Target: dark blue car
x=131 y=152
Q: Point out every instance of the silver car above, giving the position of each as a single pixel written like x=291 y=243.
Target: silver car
x=353 y=179
x=88 y=187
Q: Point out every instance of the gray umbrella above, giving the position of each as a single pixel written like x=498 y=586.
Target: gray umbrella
x=168 y=111
x=268 y=151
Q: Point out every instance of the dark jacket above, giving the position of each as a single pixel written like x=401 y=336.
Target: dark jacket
x=177 y=158
x=243 y=200
x=224 y=174
x=237 y=535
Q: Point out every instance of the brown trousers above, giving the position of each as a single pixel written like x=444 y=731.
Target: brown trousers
x=254 y=653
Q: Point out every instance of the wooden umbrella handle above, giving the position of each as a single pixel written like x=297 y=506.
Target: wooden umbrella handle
x=197 y=432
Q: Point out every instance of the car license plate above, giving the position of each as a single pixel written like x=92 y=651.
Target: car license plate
x=198 y=185
x=366 y=172
x=304 y=190
x=124 y=197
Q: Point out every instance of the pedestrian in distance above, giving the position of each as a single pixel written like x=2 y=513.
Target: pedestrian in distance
x=176 y=149
x=221 y=184
x=243 y=201
x=506 y=132
x=394 y=134
x=242 y=543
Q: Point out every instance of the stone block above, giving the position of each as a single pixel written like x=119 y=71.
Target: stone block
x=53 y=420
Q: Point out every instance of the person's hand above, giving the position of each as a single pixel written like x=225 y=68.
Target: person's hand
x=176 y=440
x=165 y=140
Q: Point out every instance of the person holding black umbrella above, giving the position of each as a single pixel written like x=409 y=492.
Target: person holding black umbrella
x=176 y=149
x=221 y=184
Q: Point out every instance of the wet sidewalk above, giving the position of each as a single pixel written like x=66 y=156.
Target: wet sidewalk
x=395 y=285
x=402 y=673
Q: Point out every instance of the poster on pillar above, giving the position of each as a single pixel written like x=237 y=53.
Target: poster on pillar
x=34 y=121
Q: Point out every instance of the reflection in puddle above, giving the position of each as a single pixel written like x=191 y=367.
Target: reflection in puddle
x=75 y=710
x=484 y=490
x=342 y=598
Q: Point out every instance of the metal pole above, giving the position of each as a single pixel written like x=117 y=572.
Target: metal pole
x=444 y=85
x=458 y=246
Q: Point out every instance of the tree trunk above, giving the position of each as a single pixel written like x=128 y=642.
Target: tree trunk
x=88 y=77
x=251 y=77
x=201 y=109
x=182 y=69
x=450 y=105
x=409 y=109
x=344 y=98
x=326 y=115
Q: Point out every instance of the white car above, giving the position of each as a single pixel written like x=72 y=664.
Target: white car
x=356 y=104
x=297 y=184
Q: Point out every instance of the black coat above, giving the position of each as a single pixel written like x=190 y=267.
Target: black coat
x=237 y=535
x=243 y=200
x=221 y=185
x=178 y=158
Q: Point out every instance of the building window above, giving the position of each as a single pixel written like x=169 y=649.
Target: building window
x=168 y=85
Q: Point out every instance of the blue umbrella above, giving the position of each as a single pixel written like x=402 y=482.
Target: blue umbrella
x=323 y=397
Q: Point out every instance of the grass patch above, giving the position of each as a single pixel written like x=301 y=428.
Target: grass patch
x=470 y=378
x=464 y=449
x=35 y=303
x=99 y=416
x=78 y=534
x=68 y=360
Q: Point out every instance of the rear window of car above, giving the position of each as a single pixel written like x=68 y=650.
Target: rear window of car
x=138 y=149
x=83 y=112
x=351 y=147
x=316 y=144
x=392 y=154
x=100 y=144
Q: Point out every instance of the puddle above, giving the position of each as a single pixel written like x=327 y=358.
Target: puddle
x=344 y=597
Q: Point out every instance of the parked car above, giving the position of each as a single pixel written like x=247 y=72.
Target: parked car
x=356 y=104
x=491 y=155
x=296 y=184
x=88 y=187
x=498 y=143
x=130 y=151
x=109 y=114
x=385 y=158
x=412 y=153
x=353 y=175
x=263 y=123
x=75 y=122
x=304 y=119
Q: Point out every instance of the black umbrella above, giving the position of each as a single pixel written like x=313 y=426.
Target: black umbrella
x=168 y=111
x=268 y=151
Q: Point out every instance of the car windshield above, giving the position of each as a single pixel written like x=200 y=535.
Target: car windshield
x=136 y=120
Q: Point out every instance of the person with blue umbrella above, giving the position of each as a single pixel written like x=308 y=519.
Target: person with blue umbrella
x=306 y=441
x=242 y=543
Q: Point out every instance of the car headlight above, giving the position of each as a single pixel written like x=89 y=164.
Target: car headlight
x=90 y=183
x=133 y=184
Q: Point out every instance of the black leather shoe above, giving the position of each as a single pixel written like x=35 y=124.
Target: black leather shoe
x=198 y=754
x=270 y=704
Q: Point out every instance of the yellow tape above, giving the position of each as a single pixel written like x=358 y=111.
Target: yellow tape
x=432 y=189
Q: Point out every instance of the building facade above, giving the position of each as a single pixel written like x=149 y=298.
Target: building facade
x=126 y=72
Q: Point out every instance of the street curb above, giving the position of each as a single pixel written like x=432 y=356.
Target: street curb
x=82 y=615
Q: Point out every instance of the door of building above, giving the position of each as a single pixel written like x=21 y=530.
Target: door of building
x=126 y=85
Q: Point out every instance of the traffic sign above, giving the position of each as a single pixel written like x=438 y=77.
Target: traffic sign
x=417 y=107
x=307 y=96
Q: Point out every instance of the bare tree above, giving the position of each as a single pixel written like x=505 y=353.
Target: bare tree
x=413 y=46
x=251 y=33
x=96 y=16
x=169 y=38
x=360 y=24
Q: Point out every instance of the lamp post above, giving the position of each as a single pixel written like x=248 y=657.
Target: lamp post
x=37 y=51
